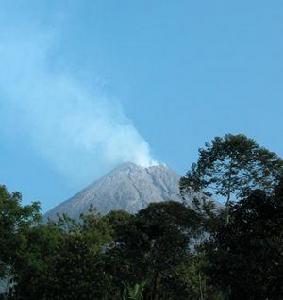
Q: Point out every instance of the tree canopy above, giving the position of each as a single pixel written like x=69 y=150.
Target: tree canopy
x=245 y=256
x=232 y=166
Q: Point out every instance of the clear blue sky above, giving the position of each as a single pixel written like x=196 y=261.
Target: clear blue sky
x=82 y=80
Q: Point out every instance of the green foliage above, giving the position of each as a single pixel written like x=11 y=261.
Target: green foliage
x=15 y=221
x=32 y=267
x=135 y=292
x=245 y=256
x=60 y=261
x=152 y=245
x=232 y=166
x=165 y=251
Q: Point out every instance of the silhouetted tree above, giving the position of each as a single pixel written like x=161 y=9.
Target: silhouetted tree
x=151 y=246
x=245 y=256
x=232 y=166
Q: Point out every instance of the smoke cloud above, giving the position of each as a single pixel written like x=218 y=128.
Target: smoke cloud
x=81 y=132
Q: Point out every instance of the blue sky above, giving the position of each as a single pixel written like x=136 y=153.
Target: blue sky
x=85 y=85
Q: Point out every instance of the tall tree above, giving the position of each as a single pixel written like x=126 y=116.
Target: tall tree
x=231 y=167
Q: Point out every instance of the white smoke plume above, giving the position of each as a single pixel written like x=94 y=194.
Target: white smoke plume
x=78 y=130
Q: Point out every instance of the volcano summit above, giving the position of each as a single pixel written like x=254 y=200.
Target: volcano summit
x=129 y=187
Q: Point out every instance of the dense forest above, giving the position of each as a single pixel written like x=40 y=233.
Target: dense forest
x=169 y=250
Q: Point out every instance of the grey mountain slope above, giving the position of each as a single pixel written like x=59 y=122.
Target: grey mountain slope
x=129 y=187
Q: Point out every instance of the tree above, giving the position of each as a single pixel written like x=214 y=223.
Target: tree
x=15 y=219
x=245 y=256
x=63 y=260
x=150 y=247
x=232 y=166
x=32 y=268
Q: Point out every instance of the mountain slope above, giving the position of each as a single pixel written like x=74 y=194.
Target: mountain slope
x=129 y=187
